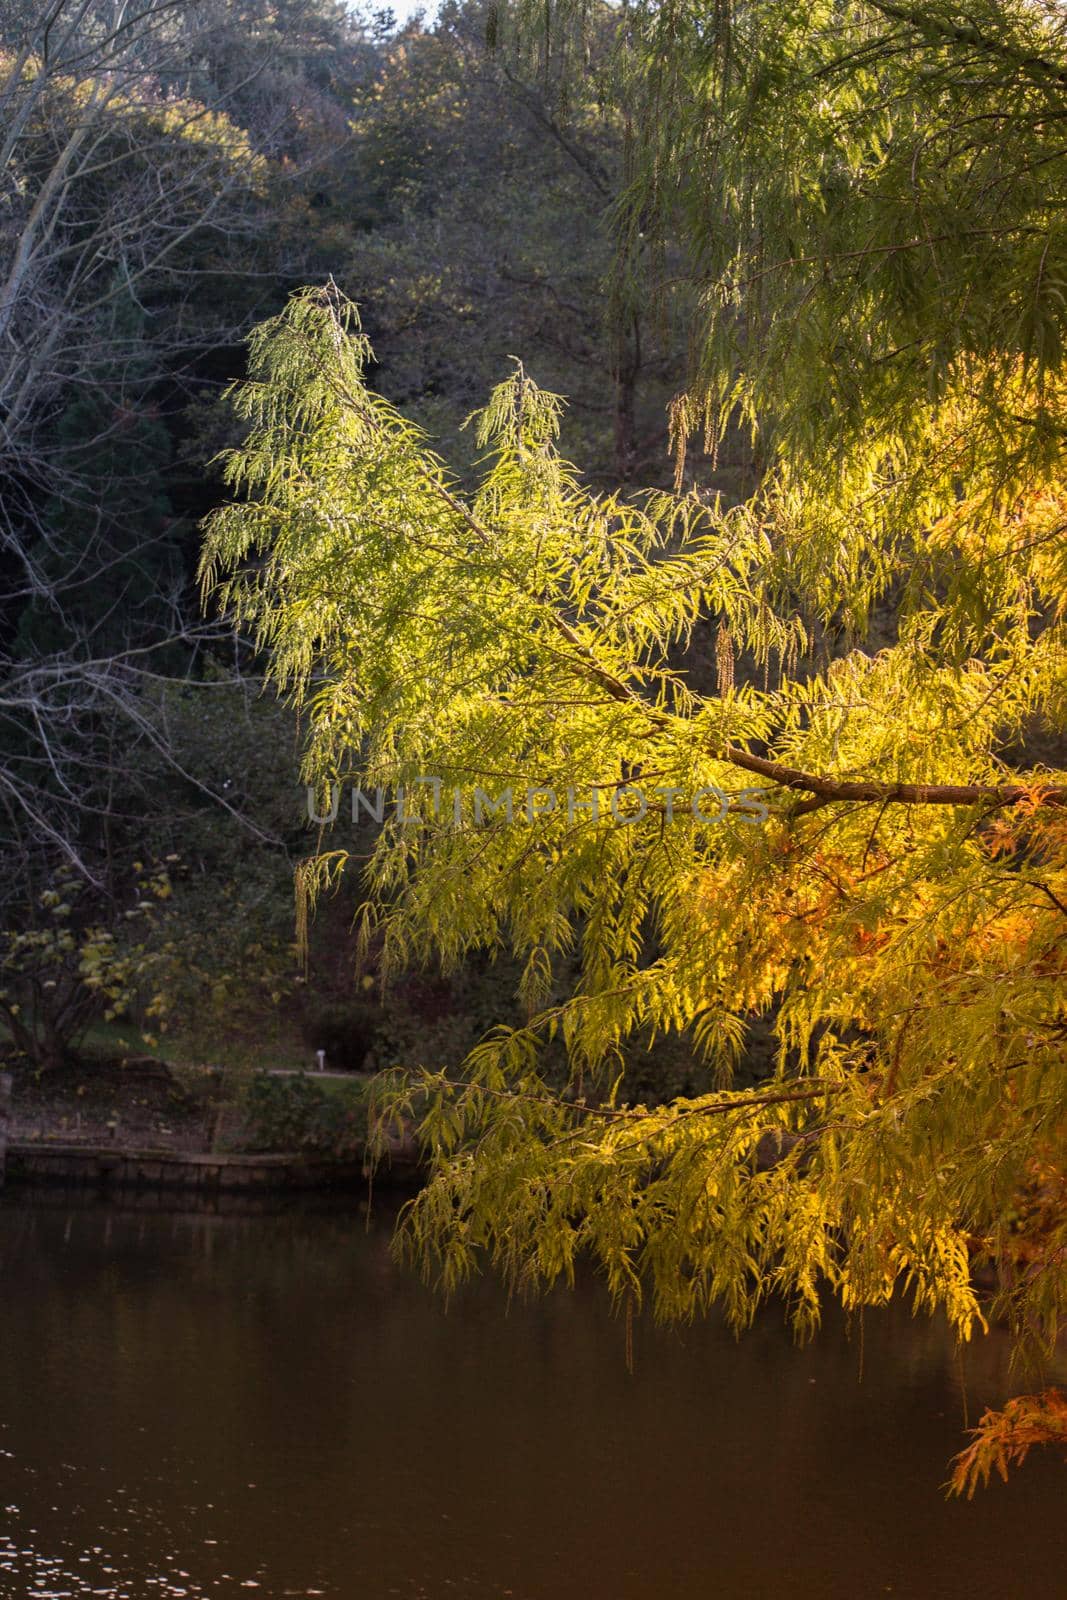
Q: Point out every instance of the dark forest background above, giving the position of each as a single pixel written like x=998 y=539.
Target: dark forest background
x=173 y=171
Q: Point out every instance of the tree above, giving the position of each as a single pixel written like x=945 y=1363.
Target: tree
x=856 y=849
x=155 y=153
x=484 y=194
x=61 y=968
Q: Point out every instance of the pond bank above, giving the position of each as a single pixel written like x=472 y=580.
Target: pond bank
x=83 y=1166
x=147 y=1130
x=103 y=1161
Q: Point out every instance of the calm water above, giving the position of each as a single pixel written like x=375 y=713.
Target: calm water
x=196 y=1404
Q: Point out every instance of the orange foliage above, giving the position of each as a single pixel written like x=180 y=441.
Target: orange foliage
x=1005 y=1438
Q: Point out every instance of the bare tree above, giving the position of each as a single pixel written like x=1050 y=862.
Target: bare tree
x=138 y=173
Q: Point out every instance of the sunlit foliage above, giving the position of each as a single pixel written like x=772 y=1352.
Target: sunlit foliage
x=900 y=912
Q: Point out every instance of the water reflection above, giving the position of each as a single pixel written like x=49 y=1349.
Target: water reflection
x=208 y=1404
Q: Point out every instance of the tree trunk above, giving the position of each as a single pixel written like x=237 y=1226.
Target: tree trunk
x=627 y=369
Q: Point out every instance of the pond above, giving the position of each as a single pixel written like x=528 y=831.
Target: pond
x=215 y=1404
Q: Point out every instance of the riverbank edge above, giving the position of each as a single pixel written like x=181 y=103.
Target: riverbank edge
x=33 y=1164
x=48 y=1159
x=53 y=1164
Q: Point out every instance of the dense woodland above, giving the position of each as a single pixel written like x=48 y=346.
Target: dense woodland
x=173 y=173
x=788 y=287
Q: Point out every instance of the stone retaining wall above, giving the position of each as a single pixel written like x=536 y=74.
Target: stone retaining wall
x=80 y=1166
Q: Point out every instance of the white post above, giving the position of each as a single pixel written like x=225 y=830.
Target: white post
x=320 y=1056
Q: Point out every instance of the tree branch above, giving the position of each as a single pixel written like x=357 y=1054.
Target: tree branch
x=1037 y=67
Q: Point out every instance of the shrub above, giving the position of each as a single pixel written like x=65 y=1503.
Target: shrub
x=296 y=1113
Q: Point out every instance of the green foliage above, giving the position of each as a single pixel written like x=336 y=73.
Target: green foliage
x=65 y=966
x=220 y=969
x=491 y=196
x=897 y=919
x=867 y=195
x=225 y=800
x=293 y=1112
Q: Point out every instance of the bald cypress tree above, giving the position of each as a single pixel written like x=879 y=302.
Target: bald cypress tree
x=857 y=843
